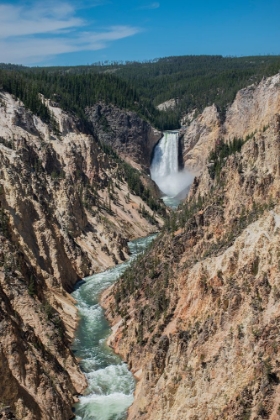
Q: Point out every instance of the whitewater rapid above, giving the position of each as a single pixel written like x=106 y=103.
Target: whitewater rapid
x=110 y=384
x=165 y=169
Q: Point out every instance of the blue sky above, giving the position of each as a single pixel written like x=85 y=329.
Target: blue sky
x=70 y=32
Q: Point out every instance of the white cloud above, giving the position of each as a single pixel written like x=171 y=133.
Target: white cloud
x=30 y=35
x=114 y=33
x=151 y=6
x=18 y=21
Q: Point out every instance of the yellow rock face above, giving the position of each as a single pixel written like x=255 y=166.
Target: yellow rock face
x=200 y=329
x=64 y=215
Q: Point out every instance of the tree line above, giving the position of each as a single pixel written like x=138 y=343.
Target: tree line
x=194 y=81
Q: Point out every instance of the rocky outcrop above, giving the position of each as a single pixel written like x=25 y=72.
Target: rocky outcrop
x=66 y=211
x=200 y=327
x=198 y=138
x=253 y=108
x=128 y=134
x=170 y=104
x=250 y=112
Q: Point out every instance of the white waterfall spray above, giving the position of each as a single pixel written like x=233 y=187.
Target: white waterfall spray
x=165 y=167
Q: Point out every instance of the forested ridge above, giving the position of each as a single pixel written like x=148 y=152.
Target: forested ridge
x=73 y=92
x=194 y=81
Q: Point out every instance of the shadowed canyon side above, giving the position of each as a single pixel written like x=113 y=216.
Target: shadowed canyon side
x=128 y=134
x=199 y=324
x=68 y=206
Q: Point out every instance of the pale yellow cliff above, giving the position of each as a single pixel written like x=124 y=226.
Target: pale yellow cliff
x=251 y=111
x=65 y=212
x=200 y=328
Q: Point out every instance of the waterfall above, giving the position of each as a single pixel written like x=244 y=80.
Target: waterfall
x=165 y=161
x=165 y=167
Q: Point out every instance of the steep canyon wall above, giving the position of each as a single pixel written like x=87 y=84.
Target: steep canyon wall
x=200 y=327
x=131 y=136
x=250 y=112
x=66 y=211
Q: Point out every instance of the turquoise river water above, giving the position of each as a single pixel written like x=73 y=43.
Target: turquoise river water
x=110 y=384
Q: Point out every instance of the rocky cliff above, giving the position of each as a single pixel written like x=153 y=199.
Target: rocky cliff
x=67 y=209
x=198 y=138
x=200 y=326
x=127 y=133
x=250 y=112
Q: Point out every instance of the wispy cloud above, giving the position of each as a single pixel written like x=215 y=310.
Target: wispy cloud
x=150 y=6
x=18 y=21
x=34 y=34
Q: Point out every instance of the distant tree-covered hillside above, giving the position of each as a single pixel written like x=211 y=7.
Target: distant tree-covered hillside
x=197 y=81
x=75 y=92
x=194 y=81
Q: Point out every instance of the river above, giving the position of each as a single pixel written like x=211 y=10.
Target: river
x=110 y=384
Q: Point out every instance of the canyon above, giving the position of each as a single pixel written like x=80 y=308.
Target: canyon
x=199 y=328
x=67 y=211
x=196 y=318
